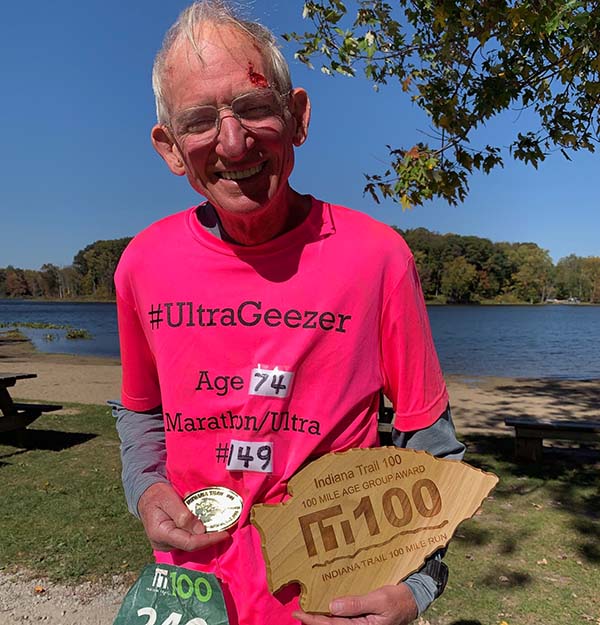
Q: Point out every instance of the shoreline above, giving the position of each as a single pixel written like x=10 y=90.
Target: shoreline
x=60 y=377
x=479 y=403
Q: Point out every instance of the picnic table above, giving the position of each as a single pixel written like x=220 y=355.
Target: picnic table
x=13 y=415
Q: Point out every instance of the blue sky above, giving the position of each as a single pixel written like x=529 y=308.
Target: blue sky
x=77 y=107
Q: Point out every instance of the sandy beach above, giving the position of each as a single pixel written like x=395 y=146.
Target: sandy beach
x=478 y=405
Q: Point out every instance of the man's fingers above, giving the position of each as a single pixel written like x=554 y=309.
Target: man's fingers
x=357 y=605
x=174 y=537
x=315 y=619
x=170 y=524
x=393 y=605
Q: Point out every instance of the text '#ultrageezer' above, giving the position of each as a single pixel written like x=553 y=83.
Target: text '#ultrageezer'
x=249 y=313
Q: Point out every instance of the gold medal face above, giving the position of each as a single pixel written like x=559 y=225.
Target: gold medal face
x=217 y=507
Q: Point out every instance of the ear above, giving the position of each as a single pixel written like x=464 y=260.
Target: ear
x=300 y=110
x=165 y=145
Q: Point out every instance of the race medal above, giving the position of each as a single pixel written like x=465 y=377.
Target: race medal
x=170 y=594
x=360 y=519
x=217 y=507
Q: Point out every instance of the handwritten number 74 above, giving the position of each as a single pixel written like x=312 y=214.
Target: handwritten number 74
x=276 y=382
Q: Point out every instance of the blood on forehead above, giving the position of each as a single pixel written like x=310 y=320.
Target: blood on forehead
x=256 y=78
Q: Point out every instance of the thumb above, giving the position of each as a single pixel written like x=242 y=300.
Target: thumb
x=188 y=521
x=349 y=606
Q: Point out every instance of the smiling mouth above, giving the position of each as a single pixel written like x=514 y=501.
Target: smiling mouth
x=241 y=174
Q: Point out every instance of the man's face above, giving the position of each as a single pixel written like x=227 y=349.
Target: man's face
x=241 y=171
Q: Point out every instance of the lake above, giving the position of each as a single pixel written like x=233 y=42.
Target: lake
x=551 y=341
x=100 y=319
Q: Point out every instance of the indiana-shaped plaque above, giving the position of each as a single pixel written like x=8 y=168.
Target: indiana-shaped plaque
x=364 y=518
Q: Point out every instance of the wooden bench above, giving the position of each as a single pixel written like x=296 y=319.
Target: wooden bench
x=530 y=434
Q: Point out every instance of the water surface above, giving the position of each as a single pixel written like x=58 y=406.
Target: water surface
x=514 y=341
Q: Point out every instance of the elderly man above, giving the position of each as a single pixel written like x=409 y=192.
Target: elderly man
x=261 y=317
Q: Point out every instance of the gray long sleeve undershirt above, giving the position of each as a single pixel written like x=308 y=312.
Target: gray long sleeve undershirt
x=143 y=456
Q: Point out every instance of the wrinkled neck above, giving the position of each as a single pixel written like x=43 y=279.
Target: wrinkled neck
x=262 y=225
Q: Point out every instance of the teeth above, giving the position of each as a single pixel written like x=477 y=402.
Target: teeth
x=240 y=175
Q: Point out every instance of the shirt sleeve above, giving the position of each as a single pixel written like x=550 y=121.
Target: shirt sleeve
x=143 y=451
x=439 y=440
x=412 y=377
x=140 y=389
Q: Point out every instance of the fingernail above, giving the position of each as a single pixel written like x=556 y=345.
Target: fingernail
x=335 y=607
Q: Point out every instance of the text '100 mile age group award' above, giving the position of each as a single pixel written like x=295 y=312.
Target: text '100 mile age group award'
x=364 y=518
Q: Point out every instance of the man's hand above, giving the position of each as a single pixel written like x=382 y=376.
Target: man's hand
x=169 y=524
x=389 y=605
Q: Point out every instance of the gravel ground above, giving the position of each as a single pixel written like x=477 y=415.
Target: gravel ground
x=25 y=600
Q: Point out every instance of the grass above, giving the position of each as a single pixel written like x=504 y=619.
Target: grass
x=77 y=333
x=63 y=511
x=532 y=556
x=71 y=332
x=36 y=325
x=12 y=335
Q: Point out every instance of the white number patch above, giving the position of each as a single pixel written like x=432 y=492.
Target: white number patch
x=270 y=382
x=173 y=619
x=250 y=456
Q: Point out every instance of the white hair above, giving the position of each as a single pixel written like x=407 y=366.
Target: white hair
x=217 y=12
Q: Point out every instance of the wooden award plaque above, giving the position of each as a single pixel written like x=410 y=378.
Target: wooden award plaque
x=364 y=518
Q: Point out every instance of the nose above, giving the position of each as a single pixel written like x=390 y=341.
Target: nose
x=233 y=141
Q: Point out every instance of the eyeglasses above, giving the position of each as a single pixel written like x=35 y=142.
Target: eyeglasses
x=257 y=110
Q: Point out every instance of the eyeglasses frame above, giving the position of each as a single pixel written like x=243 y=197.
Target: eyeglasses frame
x=283 y=99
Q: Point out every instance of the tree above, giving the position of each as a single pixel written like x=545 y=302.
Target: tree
x=96 y=265
x=497 y=272
x=591 y=271
x=533 y=278
x=35 y=283
x=50 y=279
x=458 y=280
x=69 y=282
x=463 y=62
x=16 y=283
x=428 y=249
x=2 y=282
x=570 y=280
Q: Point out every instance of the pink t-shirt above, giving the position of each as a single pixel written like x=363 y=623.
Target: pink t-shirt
x=282 y=346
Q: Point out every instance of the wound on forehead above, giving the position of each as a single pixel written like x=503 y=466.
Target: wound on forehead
x=256 y=78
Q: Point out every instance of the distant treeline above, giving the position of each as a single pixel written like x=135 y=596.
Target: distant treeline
x=453 y=268
x=469 y=269
x=90 y=276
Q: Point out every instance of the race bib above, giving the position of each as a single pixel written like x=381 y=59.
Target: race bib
x=170 y=595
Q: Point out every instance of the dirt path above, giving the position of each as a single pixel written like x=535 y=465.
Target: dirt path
x=37 y=601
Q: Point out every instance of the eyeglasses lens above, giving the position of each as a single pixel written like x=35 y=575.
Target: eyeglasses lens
x=257 y=110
